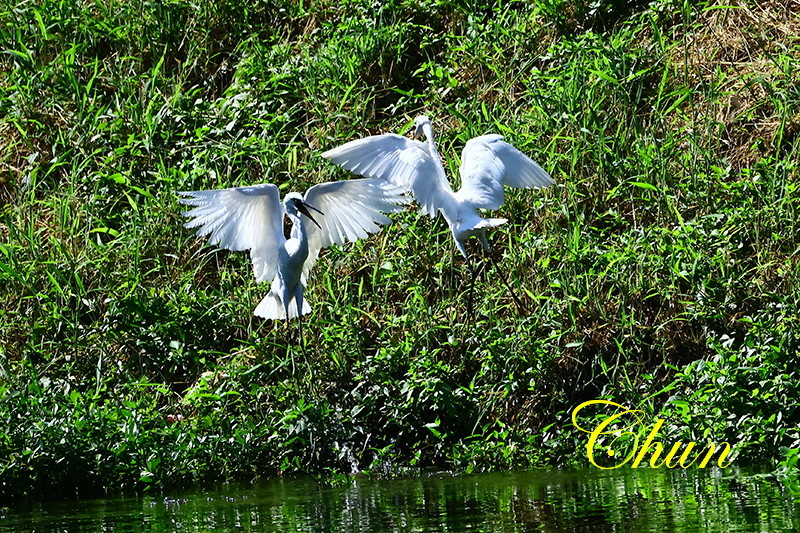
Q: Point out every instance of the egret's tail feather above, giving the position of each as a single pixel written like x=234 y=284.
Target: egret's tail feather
x=486 y=223
x=272 y=307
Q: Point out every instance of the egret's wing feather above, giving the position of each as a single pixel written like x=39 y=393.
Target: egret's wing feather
x=488 y=163
x=241 y=218
x=351 y=210
x=388 y=156
x=400 y=160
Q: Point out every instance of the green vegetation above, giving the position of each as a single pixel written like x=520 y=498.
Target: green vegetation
x=661 y=273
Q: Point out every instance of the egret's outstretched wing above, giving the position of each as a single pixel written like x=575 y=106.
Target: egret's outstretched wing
x=403 y=161
x=241 y=218
x=488 y=163
x=351 y=209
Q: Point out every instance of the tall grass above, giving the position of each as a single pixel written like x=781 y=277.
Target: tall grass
x=660 y=272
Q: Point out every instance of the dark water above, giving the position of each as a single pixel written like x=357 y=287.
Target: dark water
x=542 y=500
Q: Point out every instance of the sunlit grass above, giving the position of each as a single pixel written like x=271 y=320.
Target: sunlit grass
x=665 y=257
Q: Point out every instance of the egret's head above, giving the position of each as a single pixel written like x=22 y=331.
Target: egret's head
x=294 y=204
x=419 y=124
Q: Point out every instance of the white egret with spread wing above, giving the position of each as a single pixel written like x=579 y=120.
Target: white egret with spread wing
x=251 y=218
x=488 y=163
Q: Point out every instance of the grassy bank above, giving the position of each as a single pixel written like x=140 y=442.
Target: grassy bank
x=662 y=272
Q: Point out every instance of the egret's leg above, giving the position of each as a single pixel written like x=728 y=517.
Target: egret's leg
x=484 y=241
x=504 y=279
x=289 y=350
x=473 y=275
x=289 y=344
x=475 y=272
x=298 y=298
x=300 y=339
x=461 y=246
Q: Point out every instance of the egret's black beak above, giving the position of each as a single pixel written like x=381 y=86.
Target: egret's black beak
x=303 y=207
x=418 y=133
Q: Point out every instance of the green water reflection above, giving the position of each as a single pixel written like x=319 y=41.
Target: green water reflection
x=542 y=500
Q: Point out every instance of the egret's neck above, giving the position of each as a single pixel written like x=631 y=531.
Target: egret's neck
x=298 y=228
x=448 y=192
x=428 y=131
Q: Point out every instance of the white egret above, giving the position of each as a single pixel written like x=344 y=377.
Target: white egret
x=251 y=218
x=488 y=163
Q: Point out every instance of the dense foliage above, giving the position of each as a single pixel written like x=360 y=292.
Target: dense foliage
x=662 y=272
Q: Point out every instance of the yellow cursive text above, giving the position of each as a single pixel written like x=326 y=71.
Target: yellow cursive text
x=637 y=455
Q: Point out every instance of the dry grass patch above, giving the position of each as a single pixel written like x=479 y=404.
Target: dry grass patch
x=740 y=52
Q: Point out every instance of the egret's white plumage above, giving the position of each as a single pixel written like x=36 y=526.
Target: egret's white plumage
x=251 y=218
x=487 y=165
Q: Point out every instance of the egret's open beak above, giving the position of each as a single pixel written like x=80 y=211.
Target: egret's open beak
x=303 y=207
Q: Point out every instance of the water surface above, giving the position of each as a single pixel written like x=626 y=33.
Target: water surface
x=542 y=500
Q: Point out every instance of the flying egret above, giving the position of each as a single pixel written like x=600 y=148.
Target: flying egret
x=251 y=218
x=488 y=163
